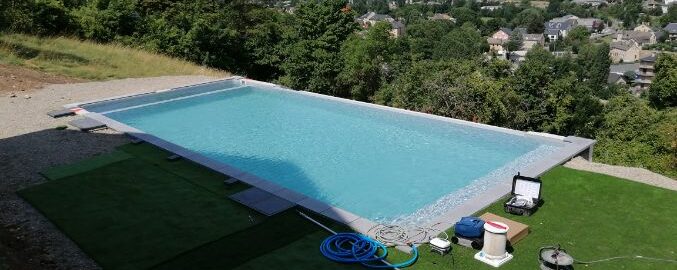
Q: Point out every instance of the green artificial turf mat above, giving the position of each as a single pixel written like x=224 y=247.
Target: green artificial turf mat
x=301 y=254
x=132 y=215
x=593 y=216
x=195 y=173
x=85 y=165
x=237 y=248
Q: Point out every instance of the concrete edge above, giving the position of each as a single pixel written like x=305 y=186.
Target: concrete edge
x=87 y=102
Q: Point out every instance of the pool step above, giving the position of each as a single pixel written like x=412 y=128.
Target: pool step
x=86 y=124
x=262 y=201
x=61 y=113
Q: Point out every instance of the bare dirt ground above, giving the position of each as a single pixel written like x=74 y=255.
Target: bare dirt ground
x=18 y=80
x=29 y=143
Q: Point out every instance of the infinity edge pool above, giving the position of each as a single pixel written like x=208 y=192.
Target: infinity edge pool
x=570 y=147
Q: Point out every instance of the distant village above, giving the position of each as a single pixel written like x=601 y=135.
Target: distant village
x=632 y=50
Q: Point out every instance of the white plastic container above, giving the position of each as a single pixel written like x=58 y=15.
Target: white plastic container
x=495 y=238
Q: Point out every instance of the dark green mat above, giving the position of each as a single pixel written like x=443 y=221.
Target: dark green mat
x=195 y=173
x=237 y=248
x=85 y=165
x=133 y=215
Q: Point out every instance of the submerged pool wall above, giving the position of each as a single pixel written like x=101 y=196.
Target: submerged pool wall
x=571 y=147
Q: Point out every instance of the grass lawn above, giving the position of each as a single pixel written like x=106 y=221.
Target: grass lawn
x=593 y=216
x=88 y=60
x=134 y=210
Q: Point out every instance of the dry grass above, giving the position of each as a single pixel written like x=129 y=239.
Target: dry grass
x=88 y=60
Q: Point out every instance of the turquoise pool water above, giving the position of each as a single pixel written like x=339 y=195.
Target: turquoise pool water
x=379 y=164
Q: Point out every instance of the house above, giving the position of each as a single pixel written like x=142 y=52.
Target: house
x=503 y=33
x=642 y=38
x=498 y=40
x=616 y=78
x=592 y=3
x=671 y=29
x=441 y=17
x=646 y=71
x=551 y=34
x=521 y=30
x=652 y=4
x=559 y=27
x=530 y=40
x=624 y=51
x=370 y=18
x=517 y=56
x=643 y=28
x=491 y=8
x=667 y=4
x=396 y=29
x=592 y=24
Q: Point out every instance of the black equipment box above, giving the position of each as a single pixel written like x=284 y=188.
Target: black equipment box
x=526 y=196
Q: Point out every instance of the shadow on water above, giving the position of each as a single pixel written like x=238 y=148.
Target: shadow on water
x=280 y=172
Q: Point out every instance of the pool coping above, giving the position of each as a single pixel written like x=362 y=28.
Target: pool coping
x=571 y=147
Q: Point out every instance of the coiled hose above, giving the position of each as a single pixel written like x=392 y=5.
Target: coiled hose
x=358 y=248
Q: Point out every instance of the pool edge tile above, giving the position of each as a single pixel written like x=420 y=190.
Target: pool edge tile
x=340 y=215
x=314 y=205
x=362 y=225
x=290 y=195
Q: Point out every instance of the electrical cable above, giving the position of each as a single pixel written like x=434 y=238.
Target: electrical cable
x=598 y=260
x=398 y=235
x=626 y=257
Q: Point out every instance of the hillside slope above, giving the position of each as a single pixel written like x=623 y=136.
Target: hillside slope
x=88 y=60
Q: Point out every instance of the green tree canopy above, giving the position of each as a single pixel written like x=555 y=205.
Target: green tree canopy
x=365 y=61
x=532 y=18
x=313 y=59
x=424 y=36
x=464 y=42
x=593 y=68
x=663 y=91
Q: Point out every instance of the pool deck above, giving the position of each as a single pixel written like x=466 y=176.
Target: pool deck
x=571 y=147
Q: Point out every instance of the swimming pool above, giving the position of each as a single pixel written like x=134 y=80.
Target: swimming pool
x=383 y=164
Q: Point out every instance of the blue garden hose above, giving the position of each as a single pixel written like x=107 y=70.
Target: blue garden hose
x=358 y=248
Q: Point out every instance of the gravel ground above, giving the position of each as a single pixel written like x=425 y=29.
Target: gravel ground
x=29 y=144
x=635 y=174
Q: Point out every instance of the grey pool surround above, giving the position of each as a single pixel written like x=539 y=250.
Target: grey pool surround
x=571 y=147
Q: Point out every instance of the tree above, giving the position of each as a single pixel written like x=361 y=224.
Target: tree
x=105 y=20
x=424 y=36
x=663 y=90
x=313 y=59
x=670 y=16
x=453 y=88
x=365 y=60
x=630 y=12
x=554 y=8
x=634 y=134
x=593 y=68
x=530 y=81
x=461 y=43
x=464 y=15
x=39 y=17
x=492 y=24
x=263 y=41
x=578 y=36
x=571 y=111
x=515 y=41
x=532 y=19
